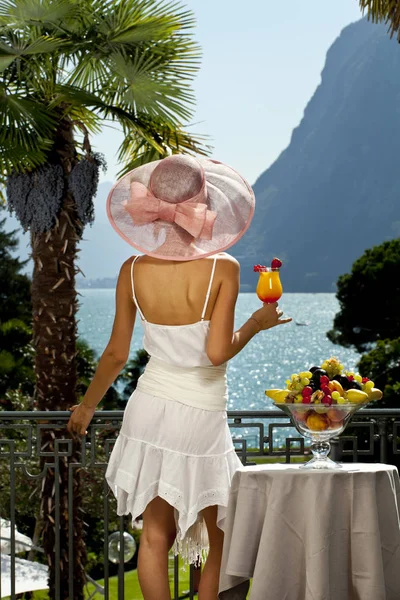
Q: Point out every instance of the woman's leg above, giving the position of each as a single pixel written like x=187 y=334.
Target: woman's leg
x=156 y=540
x=208 y=588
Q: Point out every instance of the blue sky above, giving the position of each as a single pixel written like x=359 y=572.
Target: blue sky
x=261 y=63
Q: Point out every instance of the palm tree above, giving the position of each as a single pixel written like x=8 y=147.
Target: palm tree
x=383 y=10
x=67 y=69
x=133 y=370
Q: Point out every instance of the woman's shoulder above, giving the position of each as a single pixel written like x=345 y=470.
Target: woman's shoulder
x=125 y=270
x=227 y=267
x=228 y=261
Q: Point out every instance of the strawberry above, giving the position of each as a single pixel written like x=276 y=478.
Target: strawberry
x=365 y=379
x=276 y=263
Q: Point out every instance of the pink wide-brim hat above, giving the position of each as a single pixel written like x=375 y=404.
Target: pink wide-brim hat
x=205 y=209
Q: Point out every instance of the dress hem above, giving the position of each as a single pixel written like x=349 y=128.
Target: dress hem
x=191 y=542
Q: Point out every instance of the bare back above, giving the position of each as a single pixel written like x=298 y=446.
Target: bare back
x=173 y=293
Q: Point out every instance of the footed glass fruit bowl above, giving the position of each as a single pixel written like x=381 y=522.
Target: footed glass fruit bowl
x=320 y=403
x=320 y=423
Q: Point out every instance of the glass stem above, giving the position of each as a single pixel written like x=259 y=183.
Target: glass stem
x=320 y=450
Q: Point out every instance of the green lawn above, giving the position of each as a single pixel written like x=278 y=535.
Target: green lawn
x=132 y=588
x=263 y=460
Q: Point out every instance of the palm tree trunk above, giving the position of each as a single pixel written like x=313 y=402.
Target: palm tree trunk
x=54 y=303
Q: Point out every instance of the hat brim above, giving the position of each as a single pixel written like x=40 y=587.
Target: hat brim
x=228 y=194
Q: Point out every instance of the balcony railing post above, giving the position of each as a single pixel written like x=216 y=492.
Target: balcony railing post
x=382 y=430
x=176 y=578
x=12 y=515
x=70 y=529
x=121 y=564
x=57 y=517
x=106 y=566
x=335 y=453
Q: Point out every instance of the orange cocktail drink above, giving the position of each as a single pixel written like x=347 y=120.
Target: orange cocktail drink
x=269 y=287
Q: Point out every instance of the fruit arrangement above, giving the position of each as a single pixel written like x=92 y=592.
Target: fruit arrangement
x=324 y=397
x=328 y=384
x=275 y=266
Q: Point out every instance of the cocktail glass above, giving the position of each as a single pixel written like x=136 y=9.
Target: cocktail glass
x=269 y=287
x=320 y=424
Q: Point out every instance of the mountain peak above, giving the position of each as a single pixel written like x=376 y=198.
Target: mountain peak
x=333 y=192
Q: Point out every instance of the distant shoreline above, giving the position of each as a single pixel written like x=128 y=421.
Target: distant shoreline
x=109 y=283
x=100 y=289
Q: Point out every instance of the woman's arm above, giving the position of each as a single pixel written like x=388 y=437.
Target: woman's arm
x=116 y=352
x=223 y=342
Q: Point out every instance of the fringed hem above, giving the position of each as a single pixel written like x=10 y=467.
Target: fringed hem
x=191 y=542
x=194 y=545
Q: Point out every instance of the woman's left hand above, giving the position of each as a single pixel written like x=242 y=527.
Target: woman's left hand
x=80 y=419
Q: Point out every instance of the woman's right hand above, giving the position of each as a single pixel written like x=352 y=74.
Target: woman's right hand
x=269 y=315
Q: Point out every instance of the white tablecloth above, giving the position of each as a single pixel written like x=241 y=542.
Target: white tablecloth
x=312 y=535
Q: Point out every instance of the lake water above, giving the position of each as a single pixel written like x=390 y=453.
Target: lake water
x=269 y=358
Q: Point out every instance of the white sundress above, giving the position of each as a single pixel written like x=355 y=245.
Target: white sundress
x=174 y=440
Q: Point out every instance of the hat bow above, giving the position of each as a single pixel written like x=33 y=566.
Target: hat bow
x=193 y=216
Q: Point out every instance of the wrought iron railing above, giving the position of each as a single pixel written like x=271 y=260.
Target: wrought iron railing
x=259 y=436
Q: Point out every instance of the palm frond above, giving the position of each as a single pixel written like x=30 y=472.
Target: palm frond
x=147 y=141
x=377 y=10
x=147 y=91
x=90 y=72
x=74 y=95
x=82 y=114
x=146 y=60
x=6 y=60
x=387 y=11
x=136 y=21
x=146 y=22
x=42 y=45
x=144 y=136
x=26 y=130
x=22 y=116
x=46 y=12
x=14 y=159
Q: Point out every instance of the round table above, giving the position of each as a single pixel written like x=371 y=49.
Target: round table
x=312 y=534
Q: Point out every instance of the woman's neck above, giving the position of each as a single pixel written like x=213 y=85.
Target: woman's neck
x=182 y=242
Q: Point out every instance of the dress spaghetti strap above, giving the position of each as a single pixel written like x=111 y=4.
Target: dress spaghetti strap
x=133 y=290
x=209 y=289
